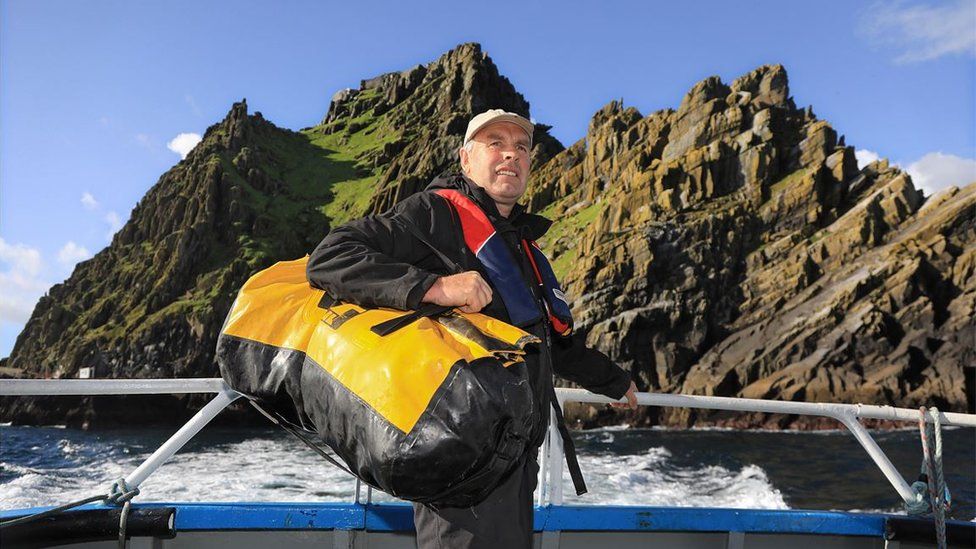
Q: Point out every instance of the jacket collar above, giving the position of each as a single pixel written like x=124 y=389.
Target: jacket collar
x=534 y=225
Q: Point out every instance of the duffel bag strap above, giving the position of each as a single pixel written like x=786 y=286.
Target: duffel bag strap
x=280 y=422
x=569 y=449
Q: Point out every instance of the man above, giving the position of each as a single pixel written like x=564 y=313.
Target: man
x=405 y=257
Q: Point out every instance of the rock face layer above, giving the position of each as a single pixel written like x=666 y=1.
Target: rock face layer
x=729 y=247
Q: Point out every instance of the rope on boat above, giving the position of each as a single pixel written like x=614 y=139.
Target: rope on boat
x=119 y=494
x=51 y=512
x=931 y=493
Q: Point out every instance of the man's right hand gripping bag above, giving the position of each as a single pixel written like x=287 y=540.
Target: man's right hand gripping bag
x=437 y=411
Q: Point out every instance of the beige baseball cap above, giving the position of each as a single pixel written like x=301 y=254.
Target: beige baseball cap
x=497 y=115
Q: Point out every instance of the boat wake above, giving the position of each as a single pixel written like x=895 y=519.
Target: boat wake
x=653 y=478
x=48 y=466
x=43 y=467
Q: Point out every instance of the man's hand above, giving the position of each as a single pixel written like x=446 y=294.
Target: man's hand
x=467 y=291
x=631 y=398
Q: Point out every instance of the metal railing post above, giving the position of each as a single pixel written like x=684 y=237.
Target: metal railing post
x=181 y=437
x=877 y=454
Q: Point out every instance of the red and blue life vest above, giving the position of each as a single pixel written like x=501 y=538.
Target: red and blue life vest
x=488 y=246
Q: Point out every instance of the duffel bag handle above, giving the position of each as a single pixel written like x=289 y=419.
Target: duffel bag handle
x=427 y=310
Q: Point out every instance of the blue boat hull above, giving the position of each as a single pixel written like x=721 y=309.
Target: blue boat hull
x=243 y=525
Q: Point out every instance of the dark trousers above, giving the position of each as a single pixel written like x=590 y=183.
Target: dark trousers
x=504 y=519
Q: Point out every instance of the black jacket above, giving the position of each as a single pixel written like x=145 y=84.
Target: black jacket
x=378 y=261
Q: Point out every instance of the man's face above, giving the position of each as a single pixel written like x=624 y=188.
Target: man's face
x=498 y=161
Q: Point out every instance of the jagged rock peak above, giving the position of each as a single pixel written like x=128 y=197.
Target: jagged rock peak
x=768 y=85
x=235 y=120
x=238 y=111
x=613 y=112
x=427 y=107
x=709 y=89
x=765 y=86
x=473 y=84
x=231 y=132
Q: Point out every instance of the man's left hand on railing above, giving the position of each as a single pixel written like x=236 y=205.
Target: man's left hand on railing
x=631 y=397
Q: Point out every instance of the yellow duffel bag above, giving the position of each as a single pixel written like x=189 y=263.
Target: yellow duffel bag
x=433 y=409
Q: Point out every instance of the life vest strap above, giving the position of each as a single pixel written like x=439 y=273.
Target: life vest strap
x=562 y=327
x=452 y=266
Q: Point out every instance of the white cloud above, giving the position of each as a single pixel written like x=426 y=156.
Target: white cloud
x=144 y=140
x=71 y=253
x=20 y=282
x=20 y=258
x=183 y=143
x=936 y=171
x=88 y=201
x=923 y=32
x=114 y=224
x=865 y=157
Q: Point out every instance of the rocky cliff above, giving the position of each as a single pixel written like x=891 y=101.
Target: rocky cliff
x=730 y=247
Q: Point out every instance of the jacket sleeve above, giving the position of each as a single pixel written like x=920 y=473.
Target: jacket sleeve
x=376 y=261
x=587 y=367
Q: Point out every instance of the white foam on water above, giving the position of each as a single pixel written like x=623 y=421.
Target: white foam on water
x=650 y=478
x=67 y=448
x=621 y=427
x=875 y=511
x=251 y=470
x=40 y=487
x=275 y=469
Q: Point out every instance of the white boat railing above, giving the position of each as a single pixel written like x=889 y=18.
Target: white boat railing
x=551 y=463
x=847 y=414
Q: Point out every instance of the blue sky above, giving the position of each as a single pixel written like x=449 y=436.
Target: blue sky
x=94 y=94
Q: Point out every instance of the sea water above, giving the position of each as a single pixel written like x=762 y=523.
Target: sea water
x=658 y=467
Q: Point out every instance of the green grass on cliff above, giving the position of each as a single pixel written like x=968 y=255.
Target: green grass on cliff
x=311 y=180
x=352 y=189
x=562 y=240
x=314 y=179
x=323 y=175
